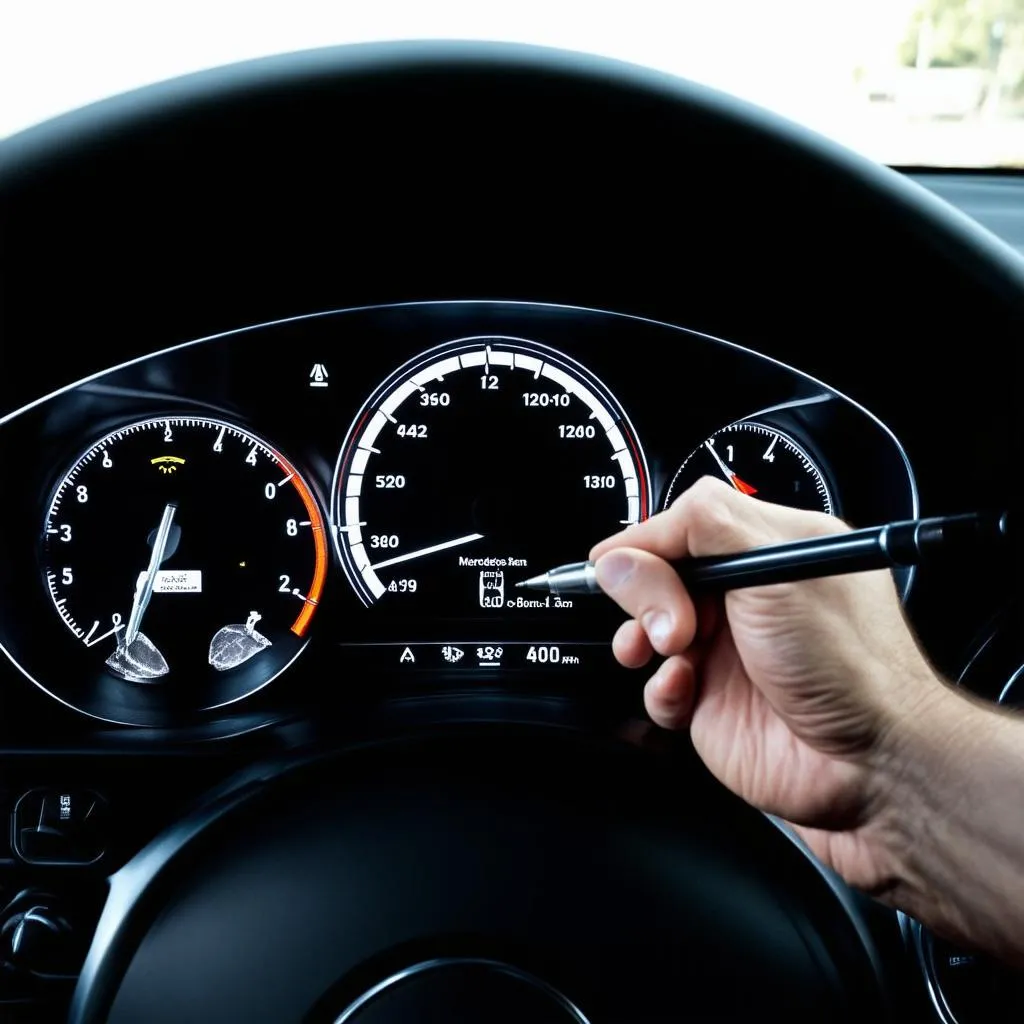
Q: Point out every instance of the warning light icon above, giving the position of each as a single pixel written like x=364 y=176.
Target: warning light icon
x=167 y=463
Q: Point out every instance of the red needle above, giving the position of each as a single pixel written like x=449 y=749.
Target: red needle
x=741 y=485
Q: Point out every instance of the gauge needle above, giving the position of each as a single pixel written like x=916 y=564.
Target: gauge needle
x=468 y=539
x=144 y=586
x=741 y=485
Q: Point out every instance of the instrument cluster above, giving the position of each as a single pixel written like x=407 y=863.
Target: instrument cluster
x=371 y=484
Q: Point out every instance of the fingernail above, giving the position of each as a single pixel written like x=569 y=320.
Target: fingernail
x=659 y=627
x=614 y=569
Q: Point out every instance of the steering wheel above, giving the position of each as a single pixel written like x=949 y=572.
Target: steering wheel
x=501 y=873
x=499 y=863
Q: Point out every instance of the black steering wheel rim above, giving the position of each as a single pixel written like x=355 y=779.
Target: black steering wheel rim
x=199 y=141
x=626 y=881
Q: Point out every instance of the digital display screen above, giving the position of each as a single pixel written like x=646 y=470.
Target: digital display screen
x=477 y=656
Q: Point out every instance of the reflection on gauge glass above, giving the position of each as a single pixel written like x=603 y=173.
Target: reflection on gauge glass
x=759 y=460
x=968 y=987
x=1013 y=691
x=476 y=465
x=184 y=551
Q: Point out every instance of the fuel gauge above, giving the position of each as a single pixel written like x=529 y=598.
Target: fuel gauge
x=759 y=460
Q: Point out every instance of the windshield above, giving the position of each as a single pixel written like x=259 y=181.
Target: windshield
x=906 y=82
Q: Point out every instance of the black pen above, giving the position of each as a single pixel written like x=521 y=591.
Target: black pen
x=876 y=547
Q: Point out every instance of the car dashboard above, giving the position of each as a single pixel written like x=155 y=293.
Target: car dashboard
x=302 y=378
x=359 y=493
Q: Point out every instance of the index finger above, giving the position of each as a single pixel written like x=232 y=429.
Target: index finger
x=712 y=518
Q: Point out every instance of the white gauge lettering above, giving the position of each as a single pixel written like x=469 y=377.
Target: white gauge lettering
x=544 y=655
x=407 y=586
x=541 y=400
x=577 y=431
x=103 y=636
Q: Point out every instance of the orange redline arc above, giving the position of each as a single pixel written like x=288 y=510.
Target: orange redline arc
x=309 y=606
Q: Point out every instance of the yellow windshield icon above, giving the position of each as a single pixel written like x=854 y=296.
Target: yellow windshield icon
x=167 y=463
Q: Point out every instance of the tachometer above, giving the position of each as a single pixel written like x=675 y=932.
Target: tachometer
x=759 y=460
x=187 y=554
x=476 y=465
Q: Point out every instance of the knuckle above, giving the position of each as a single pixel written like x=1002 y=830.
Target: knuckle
x=709 y=489
x=714 y=523
x=694 y=496
x=827 y=525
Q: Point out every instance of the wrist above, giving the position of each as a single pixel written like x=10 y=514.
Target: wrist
x=926 y=764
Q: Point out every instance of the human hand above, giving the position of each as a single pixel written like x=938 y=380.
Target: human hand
x=795 y=694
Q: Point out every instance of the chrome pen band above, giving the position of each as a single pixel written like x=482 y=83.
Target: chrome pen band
x=577 y=578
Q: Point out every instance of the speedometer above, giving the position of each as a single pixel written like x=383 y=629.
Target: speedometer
x=476 y=465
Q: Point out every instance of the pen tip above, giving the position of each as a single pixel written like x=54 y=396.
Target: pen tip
x=521 y=583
